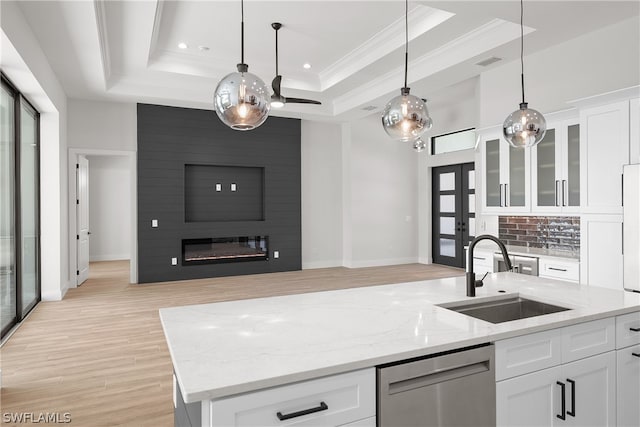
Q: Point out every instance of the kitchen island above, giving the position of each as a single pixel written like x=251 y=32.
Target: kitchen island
x=236 y=348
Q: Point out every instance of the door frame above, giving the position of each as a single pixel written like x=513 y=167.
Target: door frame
x=72 y=161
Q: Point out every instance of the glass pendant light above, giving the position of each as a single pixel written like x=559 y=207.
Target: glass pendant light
x=524 y=127
x=419 y=145
x=406 y=117
x=242 y=100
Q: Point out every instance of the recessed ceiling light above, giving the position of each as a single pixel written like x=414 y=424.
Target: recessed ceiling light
x=182 y=45
x=306 y=66
x=203 y=48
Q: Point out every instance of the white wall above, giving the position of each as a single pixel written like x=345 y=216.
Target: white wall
x=25 y=63
x=321 y=194
x=598 y=62
x=381 y=185
x=109 y=208
x=103 y=125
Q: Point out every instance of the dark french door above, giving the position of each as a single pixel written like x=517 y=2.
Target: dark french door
x=453 y=212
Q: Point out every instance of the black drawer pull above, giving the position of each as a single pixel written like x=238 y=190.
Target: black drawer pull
x=323 y=407
x=562 y=398
x=572 y=412
x=635 y=354
x=634 y=329
x=557 y=269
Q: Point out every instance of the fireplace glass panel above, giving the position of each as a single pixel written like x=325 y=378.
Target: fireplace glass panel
x=224 y=249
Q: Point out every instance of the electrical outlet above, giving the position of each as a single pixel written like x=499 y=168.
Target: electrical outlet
x=154 y=223
x=276 y=254
x=234 y=187
x=174 y=261
x=218 y=187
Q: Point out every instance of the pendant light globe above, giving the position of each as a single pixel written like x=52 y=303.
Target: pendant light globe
x=419 y=145
x=406 y=117
x=524 y=127
x=242 y=100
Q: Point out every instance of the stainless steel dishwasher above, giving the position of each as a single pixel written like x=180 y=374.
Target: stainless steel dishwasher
x=449 y=389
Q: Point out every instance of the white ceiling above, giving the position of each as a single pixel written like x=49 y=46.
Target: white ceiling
x=127 y=50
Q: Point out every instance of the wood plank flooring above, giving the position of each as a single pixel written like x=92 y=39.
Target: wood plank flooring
x=100 y=354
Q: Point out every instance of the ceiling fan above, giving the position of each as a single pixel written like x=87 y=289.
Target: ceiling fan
x=277 y=100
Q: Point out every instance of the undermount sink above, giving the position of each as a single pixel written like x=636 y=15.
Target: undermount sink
x=505 y=309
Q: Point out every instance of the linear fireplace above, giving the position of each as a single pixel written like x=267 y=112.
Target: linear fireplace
x=225 y=249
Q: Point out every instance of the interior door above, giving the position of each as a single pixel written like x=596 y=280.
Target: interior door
x=453 y=212
x=82 y=219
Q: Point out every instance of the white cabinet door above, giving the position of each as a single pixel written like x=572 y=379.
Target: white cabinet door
x=529 y=400
x=367 y=422
x=590 y=387
x=604 y=131
x=601 y=251
x=628 y=386
x=555 y=169
x=506 y=183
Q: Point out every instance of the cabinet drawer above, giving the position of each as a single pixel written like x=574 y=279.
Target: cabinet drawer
x=627 y=330
x=329 y=401
x=561 y=270
x=528 y=353
x=587 y=339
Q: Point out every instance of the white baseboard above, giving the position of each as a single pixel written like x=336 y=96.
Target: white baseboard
x=321 y=264
x=425 y=260
x=94 y=258
x=55 y=295
x=382 y=262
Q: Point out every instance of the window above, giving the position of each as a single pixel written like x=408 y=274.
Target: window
x=454 y=141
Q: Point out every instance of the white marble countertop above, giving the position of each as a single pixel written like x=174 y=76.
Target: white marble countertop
x=487 y=246
x=233 y=347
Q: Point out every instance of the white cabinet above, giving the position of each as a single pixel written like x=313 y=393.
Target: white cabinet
x=601 y=257
x=329 y=401
x=628 y=368
x=634 y=130
x=553 y=268
x=482 y=261
x=564 y=376
x=555 y=169
x=604 y=131
x=506 y=182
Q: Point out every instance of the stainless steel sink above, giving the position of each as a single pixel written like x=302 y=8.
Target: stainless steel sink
x=505 y=309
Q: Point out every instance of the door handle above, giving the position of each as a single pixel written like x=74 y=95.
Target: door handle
x=506 y=197
x=500 y=195
x=562 y=397
x=565 y=192
x=557 y=192
x=572 y=412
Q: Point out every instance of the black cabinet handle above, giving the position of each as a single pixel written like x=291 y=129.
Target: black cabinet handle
x=635 y=354
x=572 y=412
x=557 y=269
x=562 y=394
x=323 y=407
x=634 y=329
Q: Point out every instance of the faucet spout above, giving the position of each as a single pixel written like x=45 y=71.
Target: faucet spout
x=470 y=275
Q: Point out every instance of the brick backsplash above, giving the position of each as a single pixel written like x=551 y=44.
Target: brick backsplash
x=550 y=232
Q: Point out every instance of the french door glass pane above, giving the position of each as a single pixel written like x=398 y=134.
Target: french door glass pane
x=516 y=177
x=472 y=203
x=472 y=179
x=546 y=169
x=472 y=227
x=447 y=225
x=29 y=207
x=448 y=247
x=492 y=163
x=7 y=208
x=573 y=160
x=447 y=181
x=448 y=203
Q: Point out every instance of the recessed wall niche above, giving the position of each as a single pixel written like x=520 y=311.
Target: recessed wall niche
x=215 y=193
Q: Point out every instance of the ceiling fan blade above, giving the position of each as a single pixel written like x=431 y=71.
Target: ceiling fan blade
x=275 y=85
x=301 y=101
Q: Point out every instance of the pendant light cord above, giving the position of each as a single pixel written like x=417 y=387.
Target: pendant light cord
x=242 y=31
x=522 y=48
x=406 y=40
x=277 y=53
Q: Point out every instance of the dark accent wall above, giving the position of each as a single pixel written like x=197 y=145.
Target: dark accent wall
x=169 y=139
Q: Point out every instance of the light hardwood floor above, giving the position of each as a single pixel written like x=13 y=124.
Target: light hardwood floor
x=100 y=354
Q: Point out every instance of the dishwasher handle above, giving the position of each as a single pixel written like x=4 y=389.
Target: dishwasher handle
x=429 y=371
